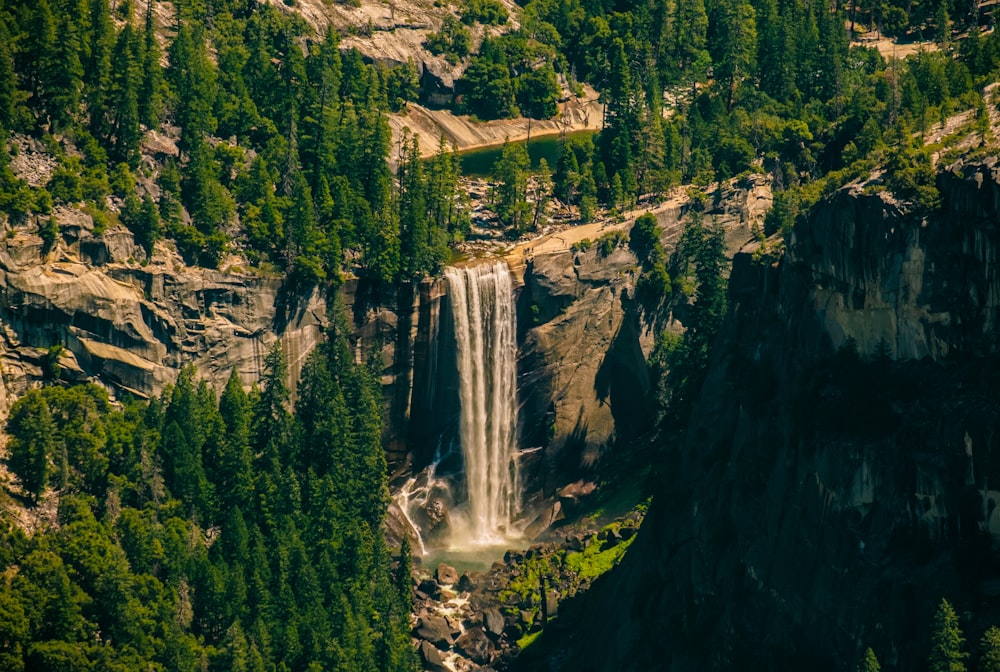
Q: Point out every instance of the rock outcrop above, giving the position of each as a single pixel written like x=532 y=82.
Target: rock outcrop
x=838 y=474
x=132 y=326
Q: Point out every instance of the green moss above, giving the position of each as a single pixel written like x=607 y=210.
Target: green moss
x=528 y=640
x=593 y=562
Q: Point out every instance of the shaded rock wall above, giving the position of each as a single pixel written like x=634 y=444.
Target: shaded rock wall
x=821 y=503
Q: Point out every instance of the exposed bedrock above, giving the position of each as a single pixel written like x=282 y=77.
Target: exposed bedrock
x=830 y=492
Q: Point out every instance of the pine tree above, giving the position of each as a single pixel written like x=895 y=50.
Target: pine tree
x=36 y=50
x=303 y=239
x=946 y=641
x=511 y=175
x=270 y=423
x=414 y=232
x=151 y=86
x=989 y=645
x=736 y=48
x=32 y=442
x=97 y=68
x=192 y=78
x=10 y=96
x=234 y=475
x=124 y=115
x=869 y=663
x=541 y=194
x=62 y=76
x=690 y=28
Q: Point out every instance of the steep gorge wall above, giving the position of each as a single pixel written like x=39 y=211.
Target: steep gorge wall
x=822 y=504
x=131 y=325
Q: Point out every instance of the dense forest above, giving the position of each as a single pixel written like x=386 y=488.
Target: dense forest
x=283 y=137
x=207 y=533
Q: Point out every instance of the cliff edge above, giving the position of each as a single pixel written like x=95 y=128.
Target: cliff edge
x=837 y=479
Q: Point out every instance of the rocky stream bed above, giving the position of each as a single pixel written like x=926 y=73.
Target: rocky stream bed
x=478 y=621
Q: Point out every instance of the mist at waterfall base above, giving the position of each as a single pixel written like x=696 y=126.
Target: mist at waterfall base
x=482 y=525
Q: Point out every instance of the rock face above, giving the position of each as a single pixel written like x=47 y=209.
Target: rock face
x=824 y=501
x=583 y=363
x=584 y=380
x=134 y=326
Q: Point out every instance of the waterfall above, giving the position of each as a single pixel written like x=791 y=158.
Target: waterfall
x=482 y=302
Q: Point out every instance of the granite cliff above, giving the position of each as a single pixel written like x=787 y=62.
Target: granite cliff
x=838 y=476
x=91 y=307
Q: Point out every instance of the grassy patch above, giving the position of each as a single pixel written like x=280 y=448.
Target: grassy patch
x=592 y=562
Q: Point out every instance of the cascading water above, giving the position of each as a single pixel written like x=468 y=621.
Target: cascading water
x=482 y=302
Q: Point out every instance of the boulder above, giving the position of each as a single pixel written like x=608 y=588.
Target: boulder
x=476 y=646
x=577 y=490
x=436 y=630
x=446 y=574
x=433 y=662
x=466 y=584
x=432 y=518
x=545 y=520
x=429 y=588
x=493 y=620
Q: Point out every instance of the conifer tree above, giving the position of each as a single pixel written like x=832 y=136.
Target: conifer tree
x=97 y=67
x=63 y=75
x=151 y=87
x=736 y=46
x=869 y=663
x=10 y=95
x=946 y=641
x=511 y=175
x=124 y=116
x=270 y=424
x=303 y=237
x=32 y=442
x=234 y=475
x=414 y=232
x=989 y=645
x=192 y=79
x=690 y=29
x=443 y=201
x=36 y=49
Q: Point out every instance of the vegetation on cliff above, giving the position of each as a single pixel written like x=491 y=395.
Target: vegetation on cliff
x=282 y=138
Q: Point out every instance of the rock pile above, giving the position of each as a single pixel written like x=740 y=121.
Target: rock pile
x=472 y=621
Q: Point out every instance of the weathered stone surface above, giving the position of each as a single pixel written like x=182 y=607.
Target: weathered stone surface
x=475 y=645
x=545 y=520
x=552 y=603
x=493 y=621
x=815 y=492
x=585 y=341
x=446 y=574
x=466 y=583
x=135 y=326
x=430 y=588
x=431 y=657
x=436 y=630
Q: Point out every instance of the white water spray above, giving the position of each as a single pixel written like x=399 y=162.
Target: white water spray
x=482 y=301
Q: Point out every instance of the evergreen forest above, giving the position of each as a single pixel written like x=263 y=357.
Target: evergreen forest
x=205 y=533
